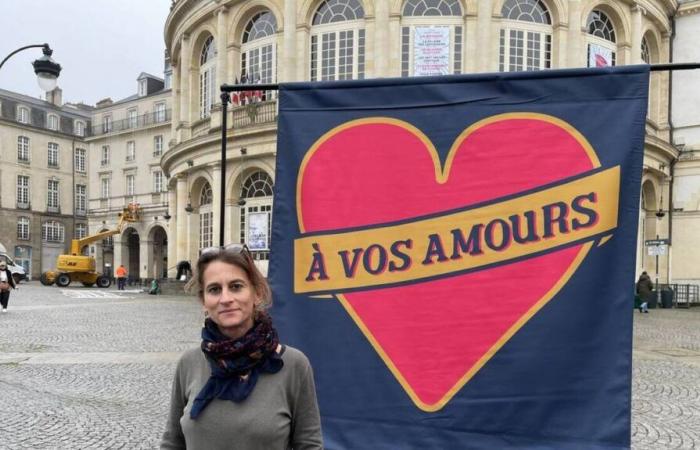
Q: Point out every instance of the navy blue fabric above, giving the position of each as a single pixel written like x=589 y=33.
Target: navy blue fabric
x=555 y=384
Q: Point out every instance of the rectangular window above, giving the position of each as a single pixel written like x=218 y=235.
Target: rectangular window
x=80 y=156
x=516 y=50
x=205 y=229
x=361 y=55
x=205 y=93
x=52 y=232
x=130 y=184
x=52 y=195
x=23 y=148
x=143 y=88
x=405 y=50
x=457 y=66
x=345 y=55
x=106 y=124
x=22 y=114
x=314 y=58
x=159 y=112
x=158 y=145
x=132 y=118
x=80 y=199
x=130 y=150
x=23 y=191
x=157 y=181
x=104 y=188
x=79 y=128
x=53 y=122
x=53 y=154
x=104 y=159
x=23 y=228
x=328 y=46
x=80 y=230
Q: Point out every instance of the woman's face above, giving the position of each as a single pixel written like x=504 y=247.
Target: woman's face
x=229 y=298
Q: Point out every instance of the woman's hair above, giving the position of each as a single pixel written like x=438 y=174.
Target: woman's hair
x=239 y=258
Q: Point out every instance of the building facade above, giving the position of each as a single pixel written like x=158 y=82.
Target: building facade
x=126 y=142
x=299 y=40
x=43 y=177
x=684 y=227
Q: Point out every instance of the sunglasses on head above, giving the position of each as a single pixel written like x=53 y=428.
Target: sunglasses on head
x=232 y=248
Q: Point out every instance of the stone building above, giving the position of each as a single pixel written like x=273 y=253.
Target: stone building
x=296 y=40
x=126 y=141
x=43 y=177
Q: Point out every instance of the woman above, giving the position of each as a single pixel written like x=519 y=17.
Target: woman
x=241 y=389
x=6 y=281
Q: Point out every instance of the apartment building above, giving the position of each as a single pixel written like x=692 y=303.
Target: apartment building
x=43 y=177
x=125 y=144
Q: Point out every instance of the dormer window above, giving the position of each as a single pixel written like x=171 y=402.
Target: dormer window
x=79 y=128
x=23 y=114
x=52 y=122
x=143 y=88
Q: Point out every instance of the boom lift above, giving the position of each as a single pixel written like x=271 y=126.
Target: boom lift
x=79 y=267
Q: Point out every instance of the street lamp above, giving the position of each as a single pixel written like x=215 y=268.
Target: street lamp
x=46 y=69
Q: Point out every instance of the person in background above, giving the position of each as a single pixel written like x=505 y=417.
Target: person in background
x=6 y=282
x=184 y=271
x=644 y=290
x=121 y=275
x=241 y=389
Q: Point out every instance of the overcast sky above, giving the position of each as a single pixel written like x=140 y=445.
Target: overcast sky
x=102 y=45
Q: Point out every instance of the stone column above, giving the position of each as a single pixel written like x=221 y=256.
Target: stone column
x=118 y=249
x=216 y=202
x=290 y=42
x=176 y=93
x=182 y=237
x=145 y=258
x=185 y=68
x=381 y=40
x=221 y=53
x=574 y=56
x=171 y=230
x=636 y=38
x=483 y=37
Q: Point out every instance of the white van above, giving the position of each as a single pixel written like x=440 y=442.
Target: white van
x=18 y=272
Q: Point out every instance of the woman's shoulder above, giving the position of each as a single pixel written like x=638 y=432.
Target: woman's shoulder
x=295 y=357
x=191 y=357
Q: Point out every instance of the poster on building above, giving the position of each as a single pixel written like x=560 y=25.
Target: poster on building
x=456 y=256
x=599 y=56
x=431 y=51
x=257 y=231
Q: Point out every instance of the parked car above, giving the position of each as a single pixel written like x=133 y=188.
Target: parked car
x=18 y=272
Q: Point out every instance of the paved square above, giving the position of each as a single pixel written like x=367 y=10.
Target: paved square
x=88 y=368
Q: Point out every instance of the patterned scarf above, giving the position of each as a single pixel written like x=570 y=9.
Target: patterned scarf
x=236 y=363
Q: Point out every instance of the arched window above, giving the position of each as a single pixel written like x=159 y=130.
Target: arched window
x=206 y=217
x=526 y=37
x=259 y=51
x=256 y=215
x=602 y=48
x=207 y=77
x=646 y=56
x=52 y=231
x=338 y=41
x=431 y=37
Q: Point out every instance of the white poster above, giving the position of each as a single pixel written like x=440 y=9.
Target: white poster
x=599 y=56
x=257 y=231
x=431 y=51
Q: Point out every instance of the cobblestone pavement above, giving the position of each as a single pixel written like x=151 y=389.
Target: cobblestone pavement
x=91 y=369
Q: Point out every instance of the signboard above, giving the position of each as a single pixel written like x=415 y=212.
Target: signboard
x=599 y=56
x=438 y=249
x=431 y=51
x=257 y=231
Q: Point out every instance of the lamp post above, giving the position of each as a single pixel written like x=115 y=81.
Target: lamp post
x=46 y=69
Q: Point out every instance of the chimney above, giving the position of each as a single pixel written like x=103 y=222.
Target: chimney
x=104 y=102
x=55 y=97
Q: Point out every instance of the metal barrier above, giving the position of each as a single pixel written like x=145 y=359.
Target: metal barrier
x=684 y=295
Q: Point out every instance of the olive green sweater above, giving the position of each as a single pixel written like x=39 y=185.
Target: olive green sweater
x=281 y=412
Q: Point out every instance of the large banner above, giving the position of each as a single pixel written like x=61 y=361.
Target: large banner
x=456 y=256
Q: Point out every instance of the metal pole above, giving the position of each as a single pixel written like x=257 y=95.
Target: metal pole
x=225 y=98
x=656 y=288
x=45 y=46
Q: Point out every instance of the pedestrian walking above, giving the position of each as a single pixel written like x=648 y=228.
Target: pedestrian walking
x=6 y=283
x=644 y=290
x=184 y=271
x=121 y=274
x=241 y=388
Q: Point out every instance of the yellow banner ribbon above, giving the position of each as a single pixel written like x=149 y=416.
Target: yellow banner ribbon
x=461 y=241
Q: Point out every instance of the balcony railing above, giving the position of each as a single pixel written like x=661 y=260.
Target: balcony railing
x=254 y=114
x=144 y=120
